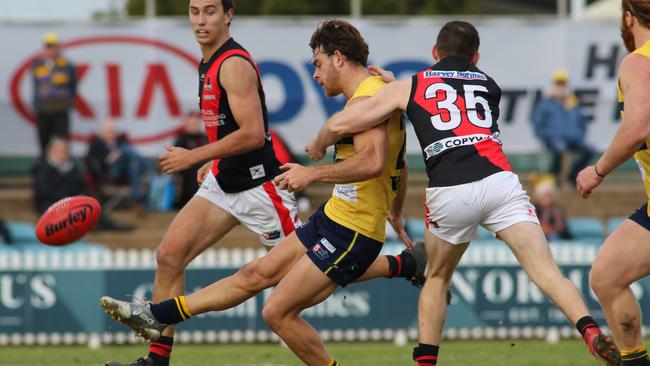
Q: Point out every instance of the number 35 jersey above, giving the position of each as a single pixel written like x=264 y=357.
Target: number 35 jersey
x=454 y=109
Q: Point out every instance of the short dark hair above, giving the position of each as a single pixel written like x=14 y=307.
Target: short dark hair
x=458 y=38
x=338 y=35
x=227 y=5
x=640 y=10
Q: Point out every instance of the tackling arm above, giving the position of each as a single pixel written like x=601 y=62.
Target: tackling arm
x=366 y=163
x=365 y=114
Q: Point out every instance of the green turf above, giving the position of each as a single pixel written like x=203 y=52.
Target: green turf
x=501 y=353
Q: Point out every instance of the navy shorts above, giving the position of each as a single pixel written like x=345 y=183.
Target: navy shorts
x=640 y=216
x=341 y=253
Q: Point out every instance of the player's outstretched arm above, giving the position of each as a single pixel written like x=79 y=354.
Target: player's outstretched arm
x=634 y=80
x=365 y=114
x=366 y=163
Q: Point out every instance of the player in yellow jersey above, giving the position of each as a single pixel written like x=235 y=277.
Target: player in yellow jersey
x=625 y=255
x=345 y=235
x=340 y=243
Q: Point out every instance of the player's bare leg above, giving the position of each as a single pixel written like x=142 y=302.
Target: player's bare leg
x=528 y=244
x=443 y=258
x=195 y=228
x=282 y=310
x=623 y=259
x=251 y=279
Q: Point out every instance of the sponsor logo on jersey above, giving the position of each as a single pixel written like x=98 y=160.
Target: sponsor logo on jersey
x=320 y=252
x=209 y=97
x=458 y=141
x=328 y=245
x=207 y=86
x=257 y=171
x=272 y=235
x=463 y=75
x=346 y=192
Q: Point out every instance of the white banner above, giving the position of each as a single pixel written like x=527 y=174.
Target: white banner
x=143 y=74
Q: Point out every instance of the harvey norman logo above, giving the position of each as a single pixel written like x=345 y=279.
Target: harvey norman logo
x=458 y=141
x=464 y=75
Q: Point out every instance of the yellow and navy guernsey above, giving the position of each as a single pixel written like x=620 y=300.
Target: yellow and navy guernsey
x=642 y=156
x=364 y=206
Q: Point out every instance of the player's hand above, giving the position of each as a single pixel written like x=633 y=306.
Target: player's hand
x=397 y=222
x=203 y=172
x=587 y=181
x=386 y=76
x=315 y=152
x=295 y=177
x=175 y=160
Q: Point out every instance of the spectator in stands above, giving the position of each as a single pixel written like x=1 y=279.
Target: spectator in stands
x=111 y=156
x=56 y=176
x=551 y=216
x=190 y=137
x=560 y=124
x=55 y=85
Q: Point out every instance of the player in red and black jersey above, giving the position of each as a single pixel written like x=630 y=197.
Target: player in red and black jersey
x=453 y=106
x=324 y=246
x=234 y=113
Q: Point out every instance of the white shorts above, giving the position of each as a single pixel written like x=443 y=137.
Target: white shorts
x=265 y=210
x=495 y=202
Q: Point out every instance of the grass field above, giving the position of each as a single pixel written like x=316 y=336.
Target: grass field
x=461 y=353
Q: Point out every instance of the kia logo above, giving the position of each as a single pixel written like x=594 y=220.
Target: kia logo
x=108 y=85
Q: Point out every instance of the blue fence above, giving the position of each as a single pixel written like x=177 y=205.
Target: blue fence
x=50 y=297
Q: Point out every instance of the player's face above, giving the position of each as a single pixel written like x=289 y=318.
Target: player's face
x=59 y=152
x=325 y=73
x=50 y=51
x=208 y=20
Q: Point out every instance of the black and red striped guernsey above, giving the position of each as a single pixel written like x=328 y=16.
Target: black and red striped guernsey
x=244 y=171
x=454 y=109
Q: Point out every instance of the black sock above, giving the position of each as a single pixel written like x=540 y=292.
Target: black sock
x=160 y=350
x=425 y=354
x=171 y=311
x=586 y=322
x=643 y=361
x=402 y=265
x=393 y=266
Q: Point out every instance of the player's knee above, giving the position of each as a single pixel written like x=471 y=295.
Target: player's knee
x=440 y=275
x=603 y=281
x=272 y=316
x=169 y=257
x=255 y=277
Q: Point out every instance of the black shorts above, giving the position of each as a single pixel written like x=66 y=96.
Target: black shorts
x=341 y=253
x=640 y=216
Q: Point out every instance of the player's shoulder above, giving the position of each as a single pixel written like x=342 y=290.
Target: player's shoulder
x=635 y=62
x=368 y=87
x=237 y=69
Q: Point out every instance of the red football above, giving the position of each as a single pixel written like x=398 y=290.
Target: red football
x=68 y=220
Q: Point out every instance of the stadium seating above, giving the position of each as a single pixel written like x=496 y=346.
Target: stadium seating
x=587 y=228
x=22 y=232
x=614 y=222
x=24 y=239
